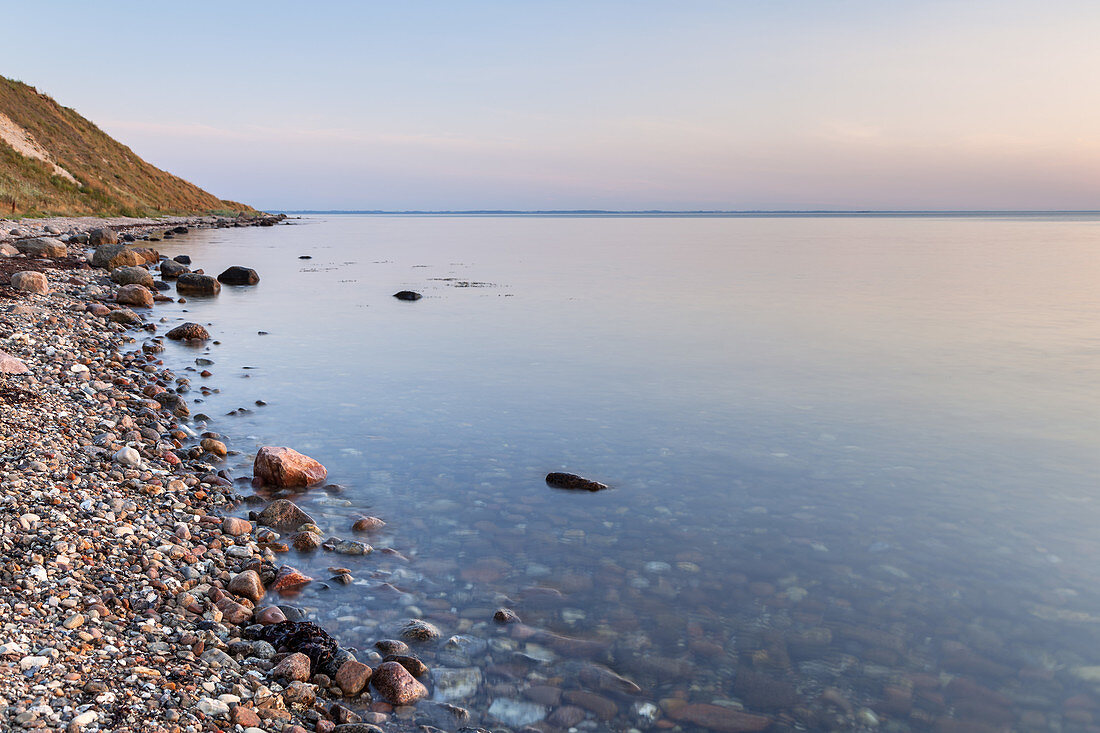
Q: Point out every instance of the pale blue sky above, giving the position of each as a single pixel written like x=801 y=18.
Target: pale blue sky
x=558 y=105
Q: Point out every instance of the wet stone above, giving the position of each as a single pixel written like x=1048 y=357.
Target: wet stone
x=396 y=685
x=418 y=630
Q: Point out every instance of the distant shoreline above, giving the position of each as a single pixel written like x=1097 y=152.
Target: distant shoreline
x=962 y=213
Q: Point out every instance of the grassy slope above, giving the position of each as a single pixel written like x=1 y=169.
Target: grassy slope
x=114 y=180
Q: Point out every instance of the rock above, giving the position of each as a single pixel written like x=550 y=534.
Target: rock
x=124 y=316
x=10 y=365
x=188 y=332
x=566 y=716
x=268 y=616
x=391 y=646
x=283 y=515
x=396 y=685
x=516 y=713
x=353 y=677
x=573 y=481
x=407 y=295
x=235 y=526
x=233 y=612
x=83 y=719
x=455 y=683
x=367 y=524
x=287 y=468
x=418 y=630
x=182 y=259
x=721 y=719
x=245 y=717
x=306 y=541
x=98 y=237
x=300 y=694
x=136 y=295
x=127 y=457
x=42 y=247
x=237 y=275
x=31 y=282
x=295 y=667
x=6 y=250
x=132 y=275
x=288 y=580
x=190 y=283
x=604 y=708
x=170 y=269
x=148 y=255
x=113 y=256
x=351 y=547
x=210 y=706
x=210 y=445
x=248 y=585
x=506 y=616
x=415 y=666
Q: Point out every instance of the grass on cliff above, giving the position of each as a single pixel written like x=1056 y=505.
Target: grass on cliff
x=113 y=180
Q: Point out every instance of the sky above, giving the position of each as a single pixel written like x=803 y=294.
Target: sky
x=534 y=104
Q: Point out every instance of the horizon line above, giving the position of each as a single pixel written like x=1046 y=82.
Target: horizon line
x=721 y=212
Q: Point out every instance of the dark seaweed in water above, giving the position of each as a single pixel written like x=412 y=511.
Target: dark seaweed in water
x=301 y=636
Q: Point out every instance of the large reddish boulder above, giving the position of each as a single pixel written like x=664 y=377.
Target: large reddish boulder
x=286 y=468
x=396 y=685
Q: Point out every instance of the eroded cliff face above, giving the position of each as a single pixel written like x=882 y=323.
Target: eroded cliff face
x=54 y=161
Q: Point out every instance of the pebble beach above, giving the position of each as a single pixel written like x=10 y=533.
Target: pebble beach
x=118 y=552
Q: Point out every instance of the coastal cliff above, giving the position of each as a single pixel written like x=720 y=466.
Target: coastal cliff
x=55 y=162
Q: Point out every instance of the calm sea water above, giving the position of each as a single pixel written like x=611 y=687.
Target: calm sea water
x=854 y=460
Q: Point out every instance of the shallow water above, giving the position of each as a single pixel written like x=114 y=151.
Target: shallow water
x=851 y=456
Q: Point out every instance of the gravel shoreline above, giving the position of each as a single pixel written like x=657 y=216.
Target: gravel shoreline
x=120 y=540
x=66 y=226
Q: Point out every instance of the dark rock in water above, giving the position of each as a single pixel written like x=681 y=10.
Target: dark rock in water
x=391 y=646
x=237 y=275
x=127 y=237
x=188 y=332
x=408 y=295
x=415 y=667
x=292 y=613
x=182 y=259
x=170 y=269
x=574 y=482
x=180 y=230
x=419 y=630
x=720 y=718
x=305 y=257
x=161 y=285
x=759 y=691
x=505 y=616
x=192 y=283
x=303 y=637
